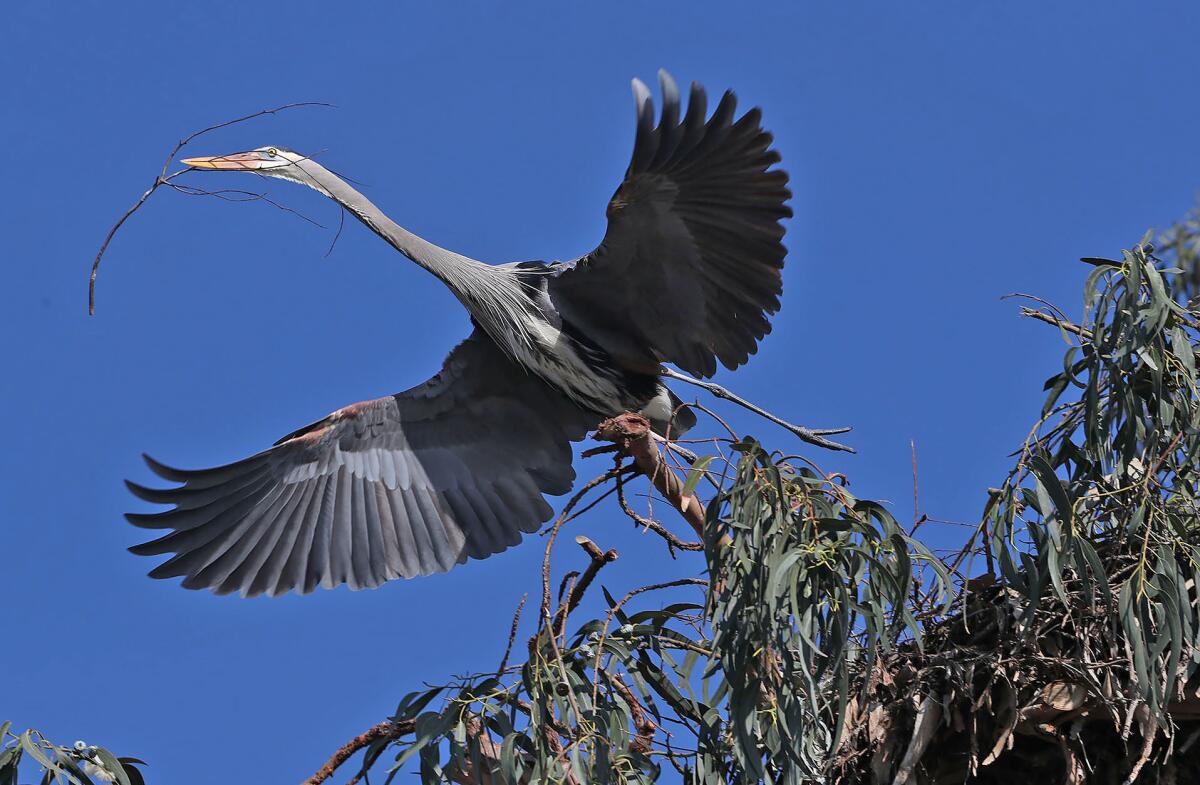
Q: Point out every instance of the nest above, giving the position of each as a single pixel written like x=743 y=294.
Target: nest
x=994 y=694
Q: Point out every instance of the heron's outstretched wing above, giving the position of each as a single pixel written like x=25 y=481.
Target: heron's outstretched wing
x=690 y=264
x=405 y=485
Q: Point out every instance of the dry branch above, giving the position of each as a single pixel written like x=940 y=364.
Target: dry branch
x=166 y=179
x=599 y=559
x=634 y=438
x=1061 y=323
x=385 y=730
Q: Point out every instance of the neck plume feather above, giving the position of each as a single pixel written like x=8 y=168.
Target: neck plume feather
x=494 y=296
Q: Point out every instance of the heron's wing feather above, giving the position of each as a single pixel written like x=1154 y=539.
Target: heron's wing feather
x=690 y=265
x=400 y=486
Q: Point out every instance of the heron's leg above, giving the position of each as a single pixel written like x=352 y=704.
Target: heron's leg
x=810 y=435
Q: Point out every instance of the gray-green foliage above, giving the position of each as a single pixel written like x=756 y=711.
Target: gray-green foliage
x=1103 y=498
x=810 y=581
x=1180 y=246
x=803 y=580
x=80 y=764
x=814 y=623
x=811 y=594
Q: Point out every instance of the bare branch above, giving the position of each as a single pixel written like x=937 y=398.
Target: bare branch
x=632 y=433
x=512 y=634
x=1057 y=321
x=387 y=729
x=599 y=559
x=563 y=517
x=165 y=179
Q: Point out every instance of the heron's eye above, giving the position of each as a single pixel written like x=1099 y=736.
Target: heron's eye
x=272 y=152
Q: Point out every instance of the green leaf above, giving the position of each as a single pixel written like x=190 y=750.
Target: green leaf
x=696 y=473
x=1049 y=481
x=414 y=703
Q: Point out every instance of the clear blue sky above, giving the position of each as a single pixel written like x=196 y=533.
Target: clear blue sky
x=941 y=154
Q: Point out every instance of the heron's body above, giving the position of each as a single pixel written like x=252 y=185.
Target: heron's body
x=551 y=347
x=419 y=481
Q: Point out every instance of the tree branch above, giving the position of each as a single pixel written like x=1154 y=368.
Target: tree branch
x=645 y=726
x=673 y=542
x=489 y=752
x=1059 y=322
x=599 y=559
x=634 y=438
x=386 y=730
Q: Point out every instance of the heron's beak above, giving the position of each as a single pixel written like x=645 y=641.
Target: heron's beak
x=243 y=161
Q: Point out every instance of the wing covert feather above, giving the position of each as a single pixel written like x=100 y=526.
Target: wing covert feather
x=405 y=485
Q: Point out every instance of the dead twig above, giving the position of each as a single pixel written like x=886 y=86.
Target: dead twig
x=512 y=634
x=599 y=559
x=563 y=517
x=1063 y=324
x=164 y=179
x=650 y=524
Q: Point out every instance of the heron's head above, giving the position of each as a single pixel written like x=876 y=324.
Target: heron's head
x=266 y=161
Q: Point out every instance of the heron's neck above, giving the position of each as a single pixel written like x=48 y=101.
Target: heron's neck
x=454 y=270
x=492 y=295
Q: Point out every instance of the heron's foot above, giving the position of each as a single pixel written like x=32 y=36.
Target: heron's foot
x=817 y=436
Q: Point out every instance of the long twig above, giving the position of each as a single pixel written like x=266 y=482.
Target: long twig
x=1071 y=327
x=810 y=435
x=563 y=517
x=164 y=179
x=512 y=634
x=649 y=524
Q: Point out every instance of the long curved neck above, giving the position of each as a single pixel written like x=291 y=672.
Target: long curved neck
x=451 y=268
x=492 y=295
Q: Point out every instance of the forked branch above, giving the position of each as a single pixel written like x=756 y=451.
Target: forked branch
x=165 y=179
x=633 y=436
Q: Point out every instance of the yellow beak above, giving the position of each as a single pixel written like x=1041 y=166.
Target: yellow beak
x=243 y=161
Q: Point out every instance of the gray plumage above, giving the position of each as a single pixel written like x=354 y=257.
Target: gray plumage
x=414 y=483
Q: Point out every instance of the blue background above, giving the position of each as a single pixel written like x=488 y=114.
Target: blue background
x=942 y=154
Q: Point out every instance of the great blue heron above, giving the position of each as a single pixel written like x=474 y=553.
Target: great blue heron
x=414 y=483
